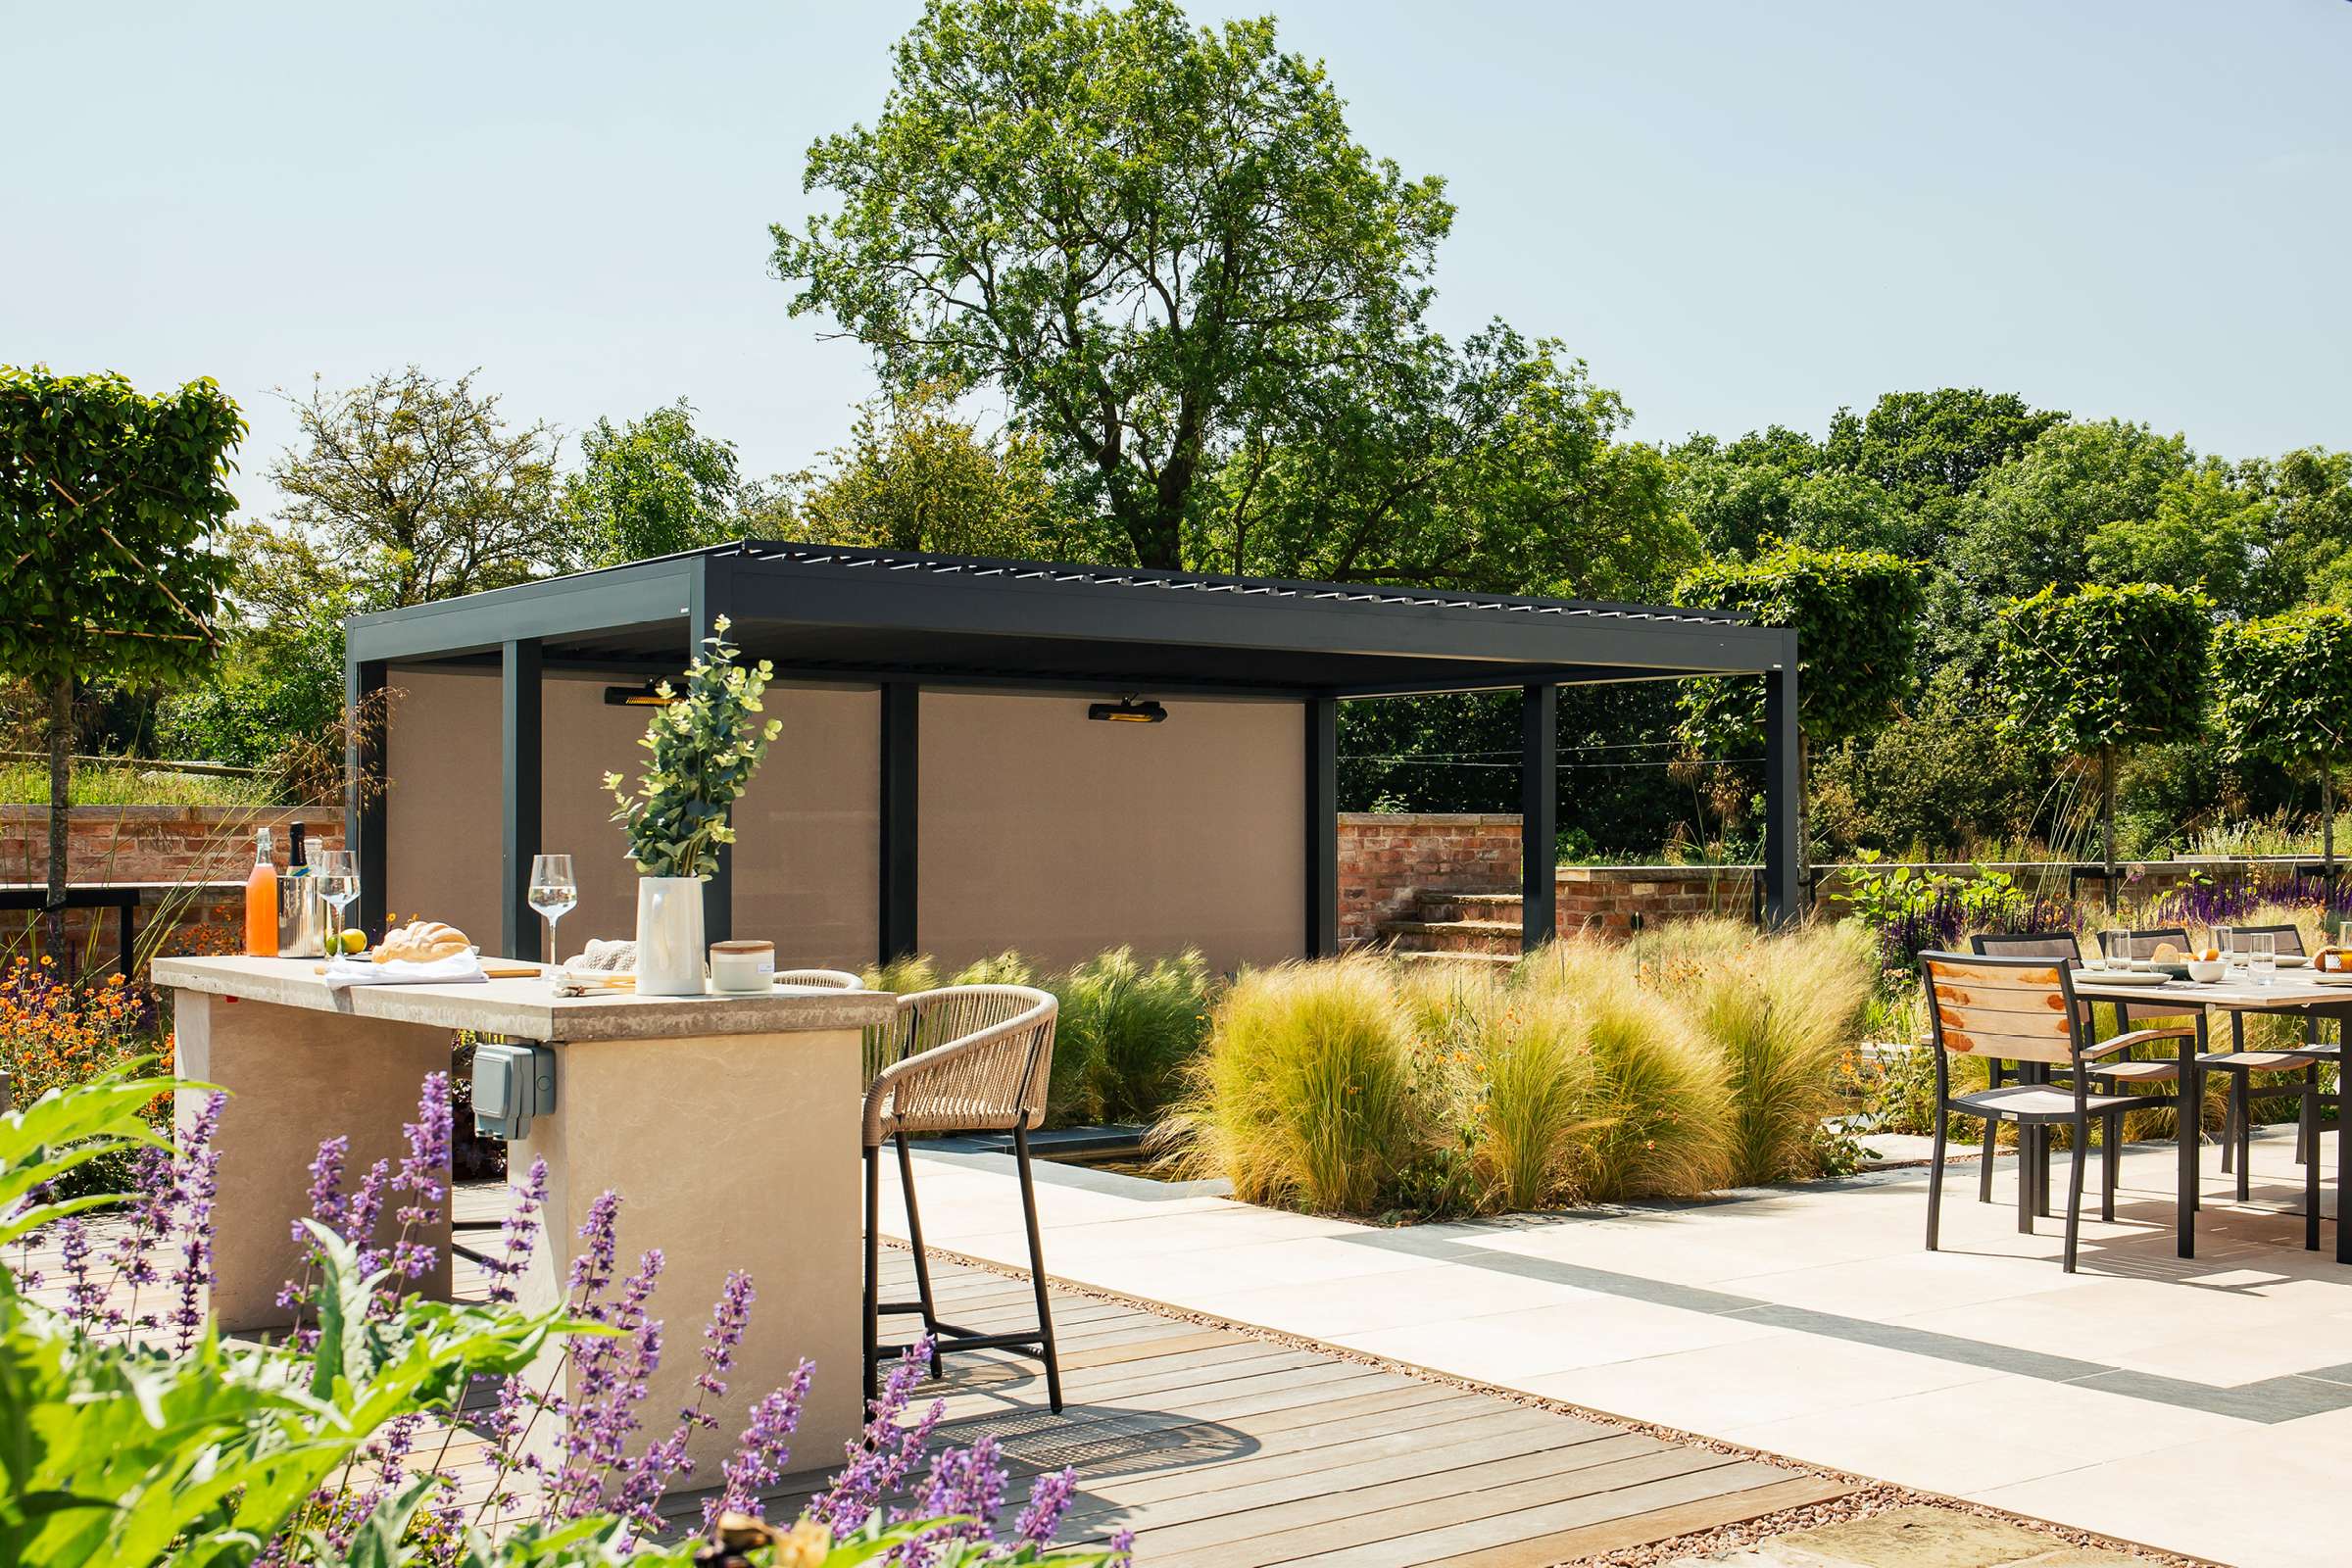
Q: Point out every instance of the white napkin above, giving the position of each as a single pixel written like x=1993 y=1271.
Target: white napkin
x=458 y=969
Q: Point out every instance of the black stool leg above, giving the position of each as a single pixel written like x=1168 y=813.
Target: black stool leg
x=922 y=1259
x=1036 y=1267
x=873 y=1271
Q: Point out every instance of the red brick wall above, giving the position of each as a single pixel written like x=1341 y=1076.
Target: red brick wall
x=1606 y=897
x=1386 y=857
x=115 y=844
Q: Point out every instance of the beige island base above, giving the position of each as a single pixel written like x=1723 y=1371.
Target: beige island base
x=727 y=1124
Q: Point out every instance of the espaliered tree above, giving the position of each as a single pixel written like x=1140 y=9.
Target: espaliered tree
x=1856 y=616
x=2099 y=671
x=109 y=499
x=2284 y=696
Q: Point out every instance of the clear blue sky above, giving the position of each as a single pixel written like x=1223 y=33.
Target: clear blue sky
x=1736 y=212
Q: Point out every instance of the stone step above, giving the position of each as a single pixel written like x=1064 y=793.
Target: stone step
x=1499 y=961
x=1453 y=907
x=1452 y=936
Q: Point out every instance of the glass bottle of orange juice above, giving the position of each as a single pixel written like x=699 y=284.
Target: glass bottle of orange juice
x=261 y=901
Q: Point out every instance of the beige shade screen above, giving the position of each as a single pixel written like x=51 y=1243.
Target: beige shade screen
x=1060 y=836
x=808 y=826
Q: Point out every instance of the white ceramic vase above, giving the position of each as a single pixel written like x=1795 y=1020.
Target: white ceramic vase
x=669 y=936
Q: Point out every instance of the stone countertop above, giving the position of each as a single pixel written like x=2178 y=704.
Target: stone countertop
x=529 y=1009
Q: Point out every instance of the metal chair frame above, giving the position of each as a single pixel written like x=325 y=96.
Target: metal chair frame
x=965 y=1059
x=2024 y=1009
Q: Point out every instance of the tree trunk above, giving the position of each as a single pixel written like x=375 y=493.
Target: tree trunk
x=60 y=773
x=2107 y=819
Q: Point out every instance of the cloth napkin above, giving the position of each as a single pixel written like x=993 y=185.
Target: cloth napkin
x=459 y=968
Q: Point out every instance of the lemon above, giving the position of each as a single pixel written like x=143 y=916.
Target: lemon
x=355 y=941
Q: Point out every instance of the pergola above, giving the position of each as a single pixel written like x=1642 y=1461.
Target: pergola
x=900 y=625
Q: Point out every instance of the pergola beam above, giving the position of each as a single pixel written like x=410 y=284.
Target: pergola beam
x=521 y=795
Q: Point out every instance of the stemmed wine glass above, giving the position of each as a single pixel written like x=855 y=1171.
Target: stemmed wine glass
x=554 y=894
x=338 y=875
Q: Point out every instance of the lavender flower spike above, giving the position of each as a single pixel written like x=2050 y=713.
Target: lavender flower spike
x=763 y=1453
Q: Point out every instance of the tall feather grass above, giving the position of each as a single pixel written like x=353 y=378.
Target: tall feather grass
x=1305 y=1095
x=1127 y=1030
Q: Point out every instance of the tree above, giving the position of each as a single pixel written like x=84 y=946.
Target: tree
x=1929 y=449
x=1489 y=468
x=2102 y=668
x=2284 y=688
x=415 y=489
x=915 y=475
x=1743 y=496
x=1150 y=236
x=1856 y=615
x=107 y=500
x=651 y=487
x=2307 y=550
x=2027 y=524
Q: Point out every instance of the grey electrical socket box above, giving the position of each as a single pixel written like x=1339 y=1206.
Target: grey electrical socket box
x=512 y=1084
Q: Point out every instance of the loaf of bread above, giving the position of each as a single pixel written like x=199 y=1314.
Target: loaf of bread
x=422 y=941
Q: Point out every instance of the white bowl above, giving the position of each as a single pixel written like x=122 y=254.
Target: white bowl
x=2206 y=971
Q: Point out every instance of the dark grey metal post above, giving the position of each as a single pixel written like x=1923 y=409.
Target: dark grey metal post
x=1538 y=815
x=1782 y=899
x=901 y=762
x=1322 y=827
x=365 y=722
x=521 y=792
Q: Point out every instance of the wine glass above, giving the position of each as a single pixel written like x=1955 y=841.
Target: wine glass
x=338 y=873
x=554 y=894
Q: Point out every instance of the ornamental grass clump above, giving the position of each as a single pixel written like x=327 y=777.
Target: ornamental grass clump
x=1529 y=1049
x=1657 y=1111
x=1305 y=1097
x=1782 y=1013
x=1126 y=1032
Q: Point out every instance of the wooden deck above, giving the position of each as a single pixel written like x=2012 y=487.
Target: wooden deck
x=1221 y=1449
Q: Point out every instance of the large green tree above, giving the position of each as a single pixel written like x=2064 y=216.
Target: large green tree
x=1856 y=615
x=409 y=489
x=1742 y=496
x=1150 y=235
x=1929 y=449
x=1493 y=467
x=108 y=502
x=2284 y=696
x=653 y=486
x=2088 y=674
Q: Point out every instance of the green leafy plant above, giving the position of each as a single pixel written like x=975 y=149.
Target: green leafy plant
x=1856 y=615
x=1126 y=1032
x=706 y=746
x=2285 y=695
x=2102 y=670
x=107 y=503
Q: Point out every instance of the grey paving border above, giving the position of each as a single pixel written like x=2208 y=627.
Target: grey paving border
x=2266 y=1402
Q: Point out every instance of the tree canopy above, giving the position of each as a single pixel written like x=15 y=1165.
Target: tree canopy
x=651 y=487
x=412 y=489
x=108 y=500
x=1151 y=236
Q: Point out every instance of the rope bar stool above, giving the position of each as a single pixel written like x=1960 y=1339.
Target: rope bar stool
x=965 y=1059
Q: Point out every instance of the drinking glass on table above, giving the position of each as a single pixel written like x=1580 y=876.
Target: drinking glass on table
x=554 y=894
x=338 y=873
x=2262 y=956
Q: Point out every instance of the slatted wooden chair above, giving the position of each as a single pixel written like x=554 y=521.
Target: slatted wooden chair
x=2020 y=1009
x=962 y=1059
x=2066 y=945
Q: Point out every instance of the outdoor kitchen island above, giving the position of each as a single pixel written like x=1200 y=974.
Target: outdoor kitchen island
x=729 y=1126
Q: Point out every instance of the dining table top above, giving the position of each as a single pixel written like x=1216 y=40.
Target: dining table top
x=2292 y=988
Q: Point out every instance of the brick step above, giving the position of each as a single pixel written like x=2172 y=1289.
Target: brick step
x=1499 y=961
x=1502 y=908
x=1453 y=936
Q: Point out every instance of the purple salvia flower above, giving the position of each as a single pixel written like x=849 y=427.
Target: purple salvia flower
x=665 y=1461
x=84 y=1298
x=1049 y=1499
x=197 y=1178
x=1122 y=1547
x=881 y=1456
x=763 y=1452
x=518 y=1233
x=423 y=1175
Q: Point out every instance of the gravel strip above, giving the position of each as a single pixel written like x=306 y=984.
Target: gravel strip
x=1871 y=1496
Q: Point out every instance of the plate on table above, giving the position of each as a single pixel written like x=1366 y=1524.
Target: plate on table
x=2294 y=960
x=2125 y=977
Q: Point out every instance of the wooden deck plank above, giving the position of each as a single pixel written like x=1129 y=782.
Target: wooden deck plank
x=1659 y=1524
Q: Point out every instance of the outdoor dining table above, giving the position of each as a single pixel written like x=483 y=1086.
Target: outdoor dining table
x=2293 y=991
x=728 y=1126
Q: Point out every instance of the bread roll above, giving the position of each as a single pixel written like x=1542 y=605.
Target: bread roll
x=422 y=941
